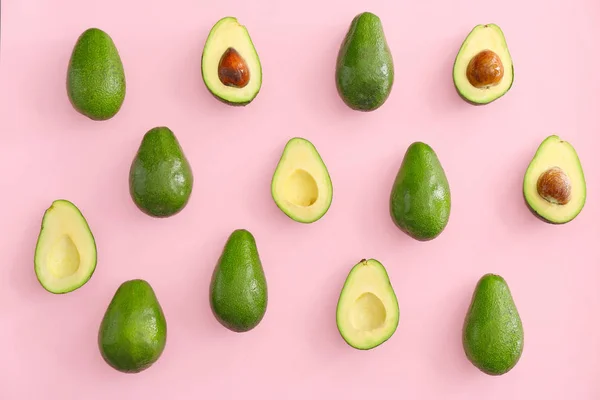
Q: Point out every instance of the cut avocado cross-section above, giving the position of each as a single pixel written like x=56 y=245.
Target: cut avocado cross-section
x=301 y=185
x=483 y=68
x=65 y=253
x=231 y=68
x=367 y=310
x=554 y=184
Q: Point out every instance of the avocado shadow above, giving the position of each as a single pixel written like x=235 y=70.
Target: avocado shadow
x=451 y=320
x=261 y=204
x=442 y=93
x=323 y=80
x=22 y=274
x=323 y=325
x=513 y=190
x=192 y=94
x=200 y=288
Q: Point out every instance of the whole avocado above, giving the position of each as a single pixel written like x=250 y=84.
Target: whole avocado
x=160 y=176
x=493 y=335
x=420 y=201
x=365 y=67
x=96 y=83
x=238 y=287
x=133 y=332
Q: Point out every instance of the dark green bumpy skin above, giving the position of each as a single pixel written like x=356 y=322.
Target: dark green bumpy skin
x=133 y=332
x=238 y=288
x=96 y=79
x=420 y=202
x=493 y=337
x=365 y=67
x=160 y=177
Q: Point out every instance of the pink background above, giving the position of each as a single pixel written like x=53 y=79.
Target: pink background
x=49 y=151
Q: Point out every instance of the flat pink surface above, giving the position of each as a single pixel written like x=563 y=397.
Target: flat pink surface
x=48 y=151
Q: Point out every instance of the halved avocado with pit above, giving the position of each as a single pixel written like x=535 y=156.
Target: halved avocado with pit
x=367 y=312
x=65 y=254
x=231 y=68
x=483 y=69
x=554 y=185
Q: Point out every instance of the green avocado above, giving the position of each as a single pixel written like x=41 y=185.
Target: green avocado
x=483 y=68
x=493 y=335
x=238 y=287
x=554 y=185
x=365 y=68
x=420 y=201
x=133 y=331
x=65 y=253
x=231 y=68
x=367 y=313
x=301 y=186
x=160 y=177
x=96 y=79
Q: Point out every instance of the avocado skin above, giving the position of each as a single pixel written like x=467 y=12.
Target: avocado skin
x=133 y=332
x=238 y=287
x=96 y=83
x=420 y=202
x=160 y=177
x=365 y=67
x=493 y=336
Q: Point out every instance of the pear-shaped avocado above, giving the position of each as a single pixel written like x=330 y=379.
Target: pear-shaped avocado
x=420 y=201
x=493 y=335
x=160 y=177
x=365 y=67
x=96 y=78
x=133 y=332
x=238 y=288
x=483 y=69
x=231 y=67
x=367 y=313
x=301 y=186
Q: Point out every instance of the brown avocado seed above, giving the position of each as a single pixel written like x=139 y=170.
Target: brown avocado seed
x=233 y=70
x=485 y=69
x=554 y=186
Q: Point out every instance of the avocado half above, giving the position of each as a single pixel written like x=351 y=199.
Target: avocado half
x=301 y=186
x=554 y=185
x=65 y=252
x=231 y=68
x=367 y=313
x=483 y=69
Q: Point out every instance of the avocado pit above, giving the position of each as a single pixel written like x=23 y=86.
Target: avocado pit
x=233 y=69
x=554 y=186
x=485 y=69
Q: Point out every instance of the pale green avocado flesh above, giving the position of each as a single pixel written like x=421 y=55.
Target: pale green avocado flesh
x=301 y=186
x=555 y=154
x=367 y=309
x=226 y=34
x=483 y=37
x=65 y=253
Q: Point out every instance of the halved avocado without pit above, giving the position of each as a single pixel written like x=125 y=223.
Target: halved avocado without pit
x=65 y=253
x=301 y=186
x=483 y=69
x=554 y=185
x=231 y=68
x=367 y=312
